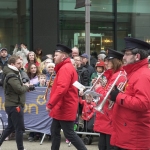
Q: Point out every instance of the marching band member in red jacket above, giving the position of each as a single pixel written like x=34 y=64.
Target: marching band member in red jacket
x=131 y=113
x=63 y=102
x=103 y=121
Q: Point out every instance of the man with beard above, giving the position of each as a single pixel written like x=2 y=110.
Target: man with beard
x=3 y=57
x=14 y=91
x=131 y=112
x=63 y=103
x=83 y=74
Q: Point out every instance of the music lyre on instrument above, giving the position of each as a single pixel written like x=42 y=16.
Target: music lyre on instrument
x=91 y=90
x=120 y=88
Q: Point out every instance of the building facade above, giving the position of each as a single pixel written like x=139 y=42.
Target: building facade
x=44 y=23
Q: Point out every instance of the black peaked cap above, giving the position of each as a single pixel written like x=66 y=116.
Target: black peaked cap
x=132 y=43
x=114 y=54
x=63 y=48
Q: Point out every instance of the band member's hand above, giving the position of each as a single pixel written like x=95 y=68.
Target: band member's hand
x=81 y=93
x=93 y=81
x=114 y=94
x=97 y=85
x=47 y=109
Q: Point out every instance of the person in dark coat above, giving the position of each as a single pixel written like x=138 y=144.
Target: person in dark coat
x=14 y=101
x=83 y=74
x=3 y=57
x=93 y=59
x=85 y=63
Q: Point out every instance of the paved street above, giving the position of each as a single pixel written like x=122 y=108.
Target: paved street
x=11 y=145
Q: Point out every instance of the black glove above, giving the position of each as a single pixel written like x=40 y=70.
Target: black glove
x=114 y=94
x=31 y=88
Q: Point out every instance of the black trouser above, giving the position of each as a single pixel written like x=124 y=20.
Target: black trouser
x=117 y=148
x=104 y=142
x=68 y=129
x=15 y=122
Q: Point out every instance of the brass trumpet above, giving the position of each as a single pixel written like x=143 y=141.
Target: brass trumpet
x=120 y=88
x=91 y=91
x=50 y=83
x=99 y=77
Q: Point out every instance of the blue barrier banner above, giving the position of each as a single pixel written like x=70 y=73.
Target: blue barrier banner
x=36 y=117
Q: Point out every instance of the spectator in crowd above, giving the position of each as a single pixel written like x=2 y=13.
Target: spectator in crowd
x=83 y=74
x=101 y=57
x=103 y=52
x=44 y=64
x=103 y=121
x=31 y=57
x=93 y=59
x=131 y=113
x=42 y=81
x=22 y=51
x=33 y=73
x=4 y=57
x=39 y=54
x=85 y=63
x=50 y=56
x=100 y=67
x=65 y=96
x=14 y=101
x=75 y=52
x=50 y=73
x=88 y=109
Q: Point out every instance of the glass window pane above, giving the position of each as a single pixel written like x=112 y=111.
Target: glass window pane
x=14 y=23
x=72 y=25
x=133 y=19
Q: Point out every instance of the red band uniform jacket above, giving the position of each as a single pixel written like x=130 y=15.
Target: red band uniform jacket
x=131 y=114
x=103 y=121
x=63 y=100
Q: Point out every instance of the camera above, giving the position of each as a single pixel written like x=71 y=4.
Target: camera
x=26 y=79
x=24 y=76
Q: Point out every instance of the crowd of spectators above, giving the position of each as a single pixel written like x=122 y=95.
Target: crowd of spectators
x=34 y=63
x=40 y=69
